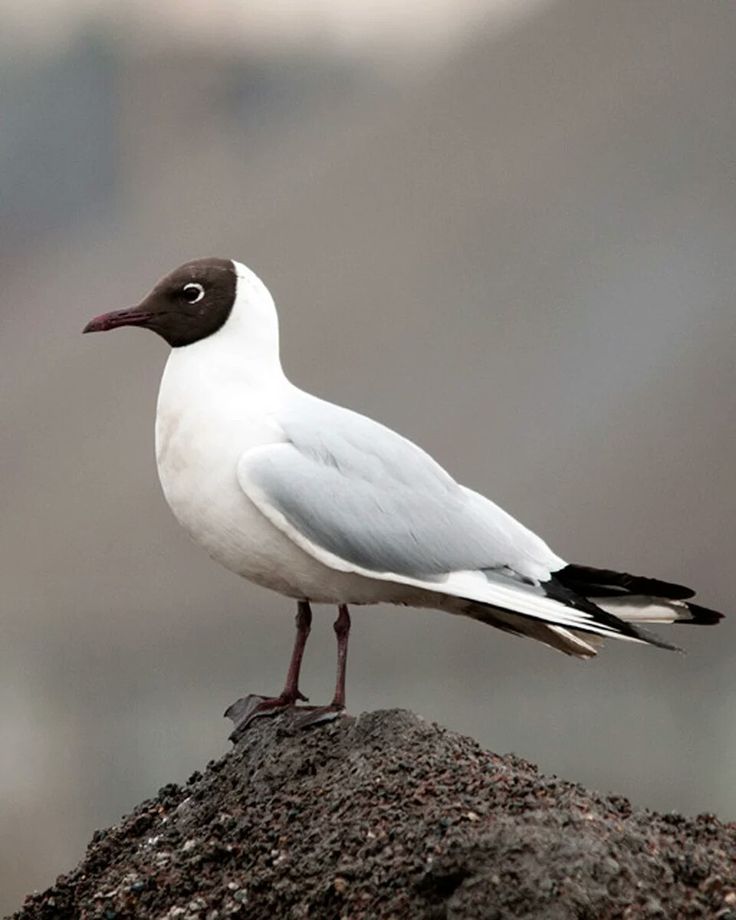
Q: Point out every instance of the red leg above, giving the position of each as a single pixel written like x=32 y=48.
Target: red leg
x=303 y=626
x=250 y=707
x=342 y=631
x=321 y=714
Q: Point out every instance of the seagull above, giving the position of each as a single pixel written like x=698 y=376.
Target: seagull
x=327 y=506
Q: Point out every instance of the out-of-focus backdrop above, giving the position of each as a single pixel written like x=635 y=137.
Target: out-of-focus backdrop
x=507 y=229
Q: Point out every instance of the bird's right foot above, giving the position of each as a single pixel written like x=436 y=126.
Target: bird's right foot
x=248 y=708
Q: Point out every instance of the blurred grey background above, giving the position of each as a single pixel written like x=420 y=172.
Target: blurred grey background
x=507 y=229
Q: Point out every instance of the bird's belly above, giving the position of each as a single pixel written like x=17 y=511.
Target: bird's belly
x=199 y=480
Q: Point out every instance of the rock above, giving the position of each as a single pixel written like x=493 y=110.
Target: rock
x=386 y=816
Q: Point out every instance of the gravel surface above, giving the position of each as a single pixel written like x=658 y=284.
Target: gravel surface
x=387 y=816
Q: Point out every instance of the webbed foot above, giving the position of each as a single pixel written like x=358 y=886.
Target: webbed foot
x=248 y=708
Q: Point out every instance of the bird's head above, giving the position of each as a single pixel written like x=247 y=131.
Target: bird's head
x=188 y=305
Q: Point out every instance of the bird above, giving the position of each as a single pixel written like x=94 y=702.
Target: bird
x=327 y=506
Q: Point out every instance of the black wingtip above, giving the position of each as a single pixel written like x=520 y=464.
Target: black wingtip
x=702 y=616
x=585 y=579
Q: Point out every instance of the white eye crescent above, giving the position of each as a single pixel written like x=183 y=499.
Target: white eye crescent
x=193 y=292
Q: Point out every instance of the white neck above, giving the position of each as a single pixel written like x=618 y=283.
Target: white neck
x=244 y=352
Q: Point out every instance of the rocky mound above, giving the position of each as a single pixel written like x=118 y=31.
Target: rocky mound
x=386 y=816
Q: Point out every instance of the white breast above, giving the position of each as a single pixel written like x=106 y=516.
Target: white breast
x=200 y=435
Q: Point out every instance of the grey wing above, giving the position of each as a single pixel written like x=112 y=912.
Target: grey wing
x=374 y=499
x=358 y=497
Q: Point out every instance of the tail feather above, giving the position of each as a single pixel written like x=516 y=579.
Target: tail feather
x=574 y=609
x=580 y=606
x=569 y=641
x=604 y=614
x=540 y=611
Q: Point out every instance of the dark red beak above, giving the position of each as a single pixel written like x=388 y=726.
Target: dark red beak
x=132 y=317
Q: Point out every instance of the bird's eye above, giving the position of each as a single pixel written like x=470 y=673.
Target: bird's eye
x=193 y=292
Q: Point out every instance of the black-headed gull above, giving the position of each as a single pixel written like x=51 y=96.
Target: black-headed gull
x=325 y=505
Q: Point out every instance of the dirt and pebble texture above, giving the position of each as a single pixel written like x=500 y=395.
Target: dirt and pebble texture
x=387 y=816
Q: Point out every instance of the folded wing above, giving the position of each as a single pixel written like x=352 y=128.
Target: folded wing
x=360 y=498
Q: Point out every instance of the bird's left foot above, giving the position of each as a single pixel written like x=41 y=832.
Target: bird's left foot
x=248 y=708
x=318 y=715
